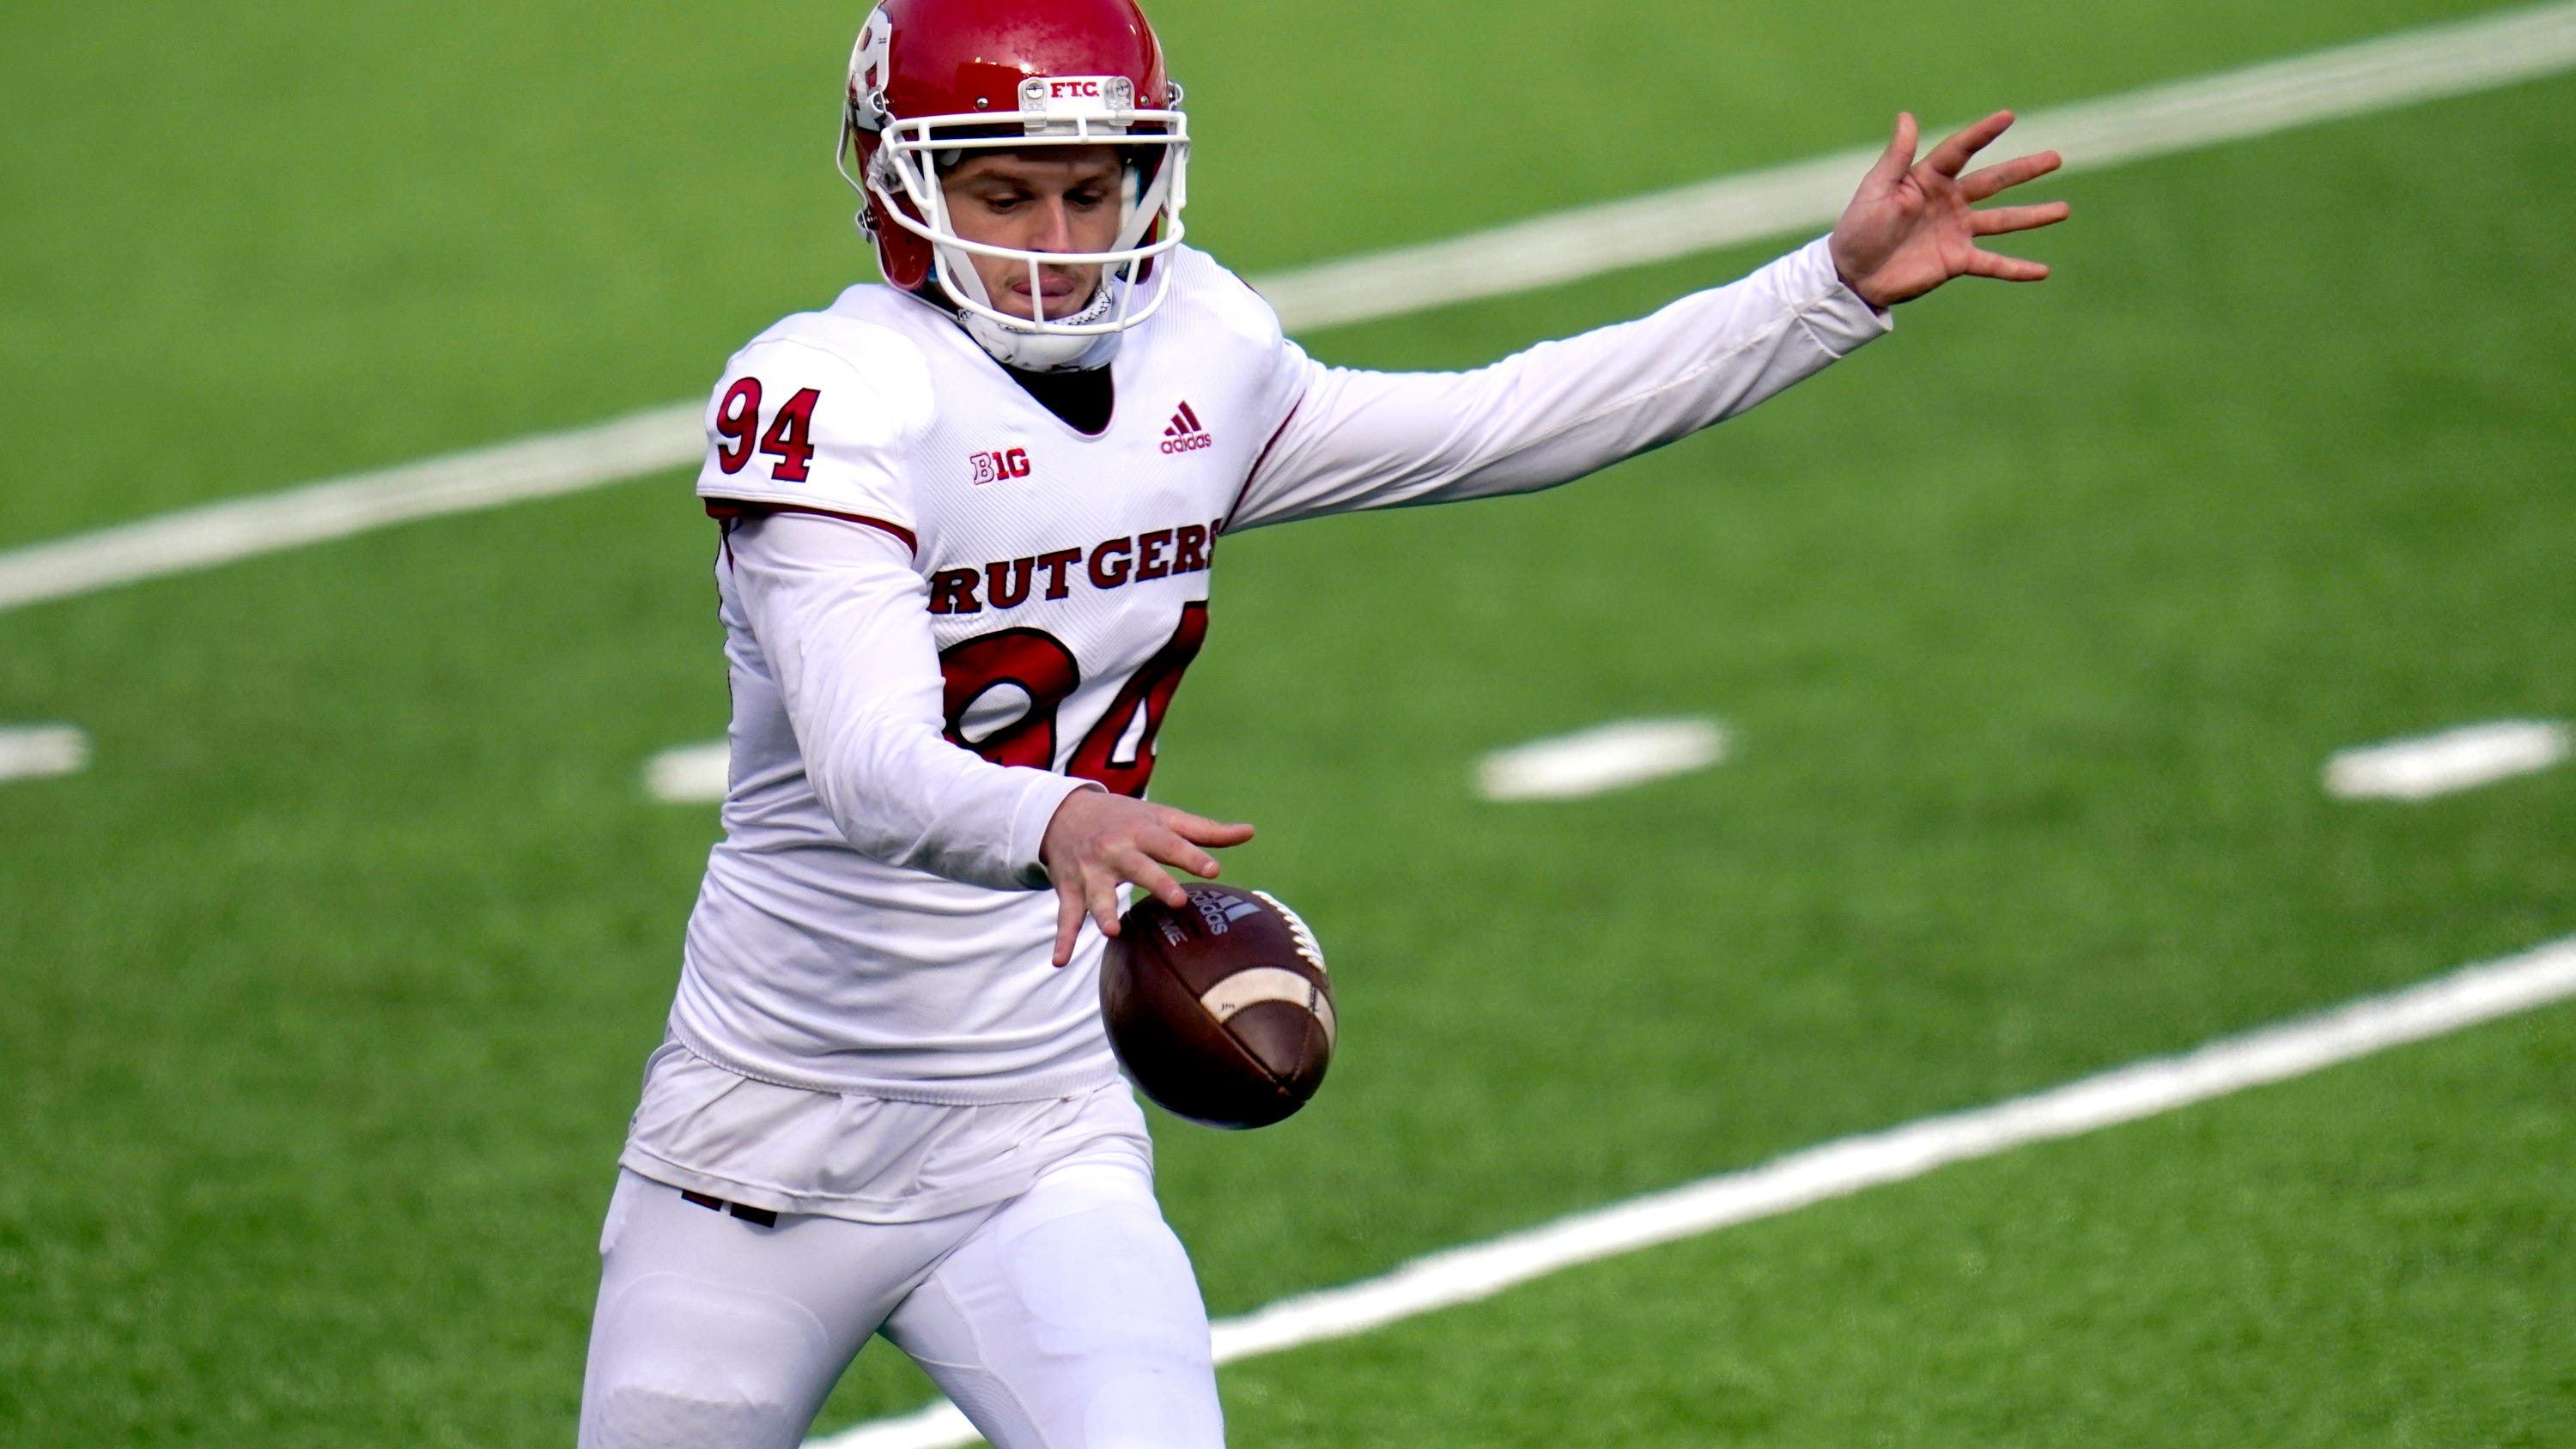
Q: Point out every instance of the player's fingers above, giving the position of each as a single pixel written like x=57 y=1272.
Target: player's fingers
x=2003 y=176
x=1100 y=893
x=1173 y=848
x=1068 y=918
x=2019 y=218
x=1201 y=830
x=1898 y=158
x=1154 y=881
x=2008 y=269
x=1951 y=156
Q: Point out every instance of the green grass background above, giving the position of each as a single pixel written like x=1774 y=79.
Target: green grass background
x=251 y=245
x=329 y=983
x=2337 y=1262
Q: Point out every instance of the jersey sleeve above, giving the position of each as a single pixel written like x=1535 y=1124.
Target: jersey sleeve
x=838 y=610
x=1560 y=410
x=800 y=427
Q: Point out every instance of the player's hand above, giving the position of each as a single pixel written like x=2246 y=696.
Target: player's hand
x=1098 y=841
x=1912 y=227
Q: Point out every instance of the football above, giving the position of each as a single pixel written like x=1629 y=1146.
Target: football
x=1220 y=1011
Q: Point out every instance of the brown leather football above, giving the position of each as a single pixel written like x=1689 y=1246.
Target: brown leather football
x=1220 y=1011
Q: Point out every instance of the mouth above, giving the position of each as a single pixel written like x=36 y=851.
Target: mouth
x=1055 y=291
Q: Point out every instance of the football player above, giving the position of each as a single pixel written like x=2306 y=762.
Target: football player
x=968 y=518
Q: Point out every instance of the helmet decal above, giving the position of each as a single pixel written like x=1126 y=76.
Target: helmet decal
x=868 y=72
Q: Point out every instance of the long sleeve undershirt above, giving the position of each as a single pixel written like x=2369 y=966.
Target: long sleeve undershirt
x=838 y=606
x=1561 y=409
x=838 y=610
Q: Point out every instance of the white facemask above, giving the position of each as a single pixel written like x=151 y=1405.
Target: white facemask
x=903 y=185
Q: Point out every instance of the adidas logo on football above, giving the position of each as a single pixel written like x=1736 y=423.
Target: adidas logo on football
x=1185 y=434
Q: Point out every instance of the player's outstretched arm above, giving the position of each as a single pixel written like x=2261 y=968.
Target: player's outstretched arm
x=1099 y=841
x=1914 y=225
x=1562 y=409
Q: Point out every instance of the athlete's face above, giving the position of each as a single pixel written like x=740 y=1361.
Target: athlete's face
x=1046 y=199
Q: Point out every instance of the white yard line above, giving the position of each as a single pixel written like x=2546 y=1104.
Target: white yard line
x=690 y=774
x=1603 y=758
x=2456 y=759
x=219 y=533
x=2463 y=998
x=38 y=752
x=2349 y=80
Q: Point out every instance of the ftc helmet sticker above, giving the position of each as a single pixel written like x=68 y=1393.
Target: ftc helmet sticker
x=995 y=466
x=1066 y=97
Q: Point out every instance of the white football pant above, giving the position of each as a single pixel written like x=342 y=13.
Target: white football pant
x=1064 y=1318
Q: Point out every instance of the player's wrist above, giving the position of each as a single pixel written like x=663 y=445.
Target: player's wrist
x=1850 y=275
x=1855 y=279
x=1059 y=845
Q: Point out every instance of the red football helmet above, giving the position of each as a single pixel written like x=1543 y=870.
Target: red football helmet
x=931 y=79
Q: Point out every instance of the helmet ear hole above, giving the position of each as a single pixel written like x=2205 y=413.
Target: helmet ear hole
x=901 y=255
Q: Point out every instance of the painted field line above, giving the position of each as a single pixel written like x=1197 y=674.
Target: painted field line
x=40 y=752
x=2456 y=759
x=2466 y=997
x=2350 y=80
x=690 y=774
x=1603 y=758
x=219 y=533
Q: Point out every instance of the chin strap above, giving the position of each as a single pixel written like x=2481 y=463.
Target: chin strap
x=1031 y=351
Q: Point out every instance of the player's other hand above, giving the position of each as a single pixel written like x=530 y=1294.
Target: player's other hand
x=1913 y=226
x=1098 y=842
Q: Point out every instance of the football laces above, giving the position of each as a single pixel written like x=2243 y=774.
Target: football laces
x=1303 y=939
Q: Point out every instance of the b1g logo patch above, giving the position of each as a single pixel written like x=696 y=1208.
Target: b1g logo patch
x=995 y=466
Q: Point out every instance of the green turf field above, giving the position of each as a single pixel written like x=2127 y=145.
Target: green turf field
x=330 y=981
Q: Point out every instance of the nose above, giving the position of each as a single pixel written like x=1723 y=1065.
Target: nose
x=1055 y=227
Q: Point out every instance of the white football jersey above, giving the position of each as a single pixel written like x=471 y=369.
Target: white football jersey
x=946 y=608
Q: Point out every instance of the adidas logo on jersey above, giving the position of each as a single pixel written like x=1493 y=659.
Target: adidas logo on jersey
x=1185 y=435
